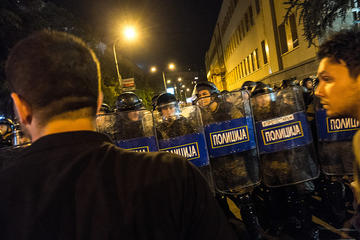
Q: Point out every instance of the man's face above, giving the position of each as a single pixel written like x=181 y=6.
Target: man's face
x=133 y=116
x=338 y=91
x=263 y=101
x=204 y=98
x=309 y=85
x=168 y=111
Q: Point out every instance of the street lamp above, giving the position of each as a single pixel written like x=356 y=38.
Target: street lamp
x=171 y=67
x=130 y=35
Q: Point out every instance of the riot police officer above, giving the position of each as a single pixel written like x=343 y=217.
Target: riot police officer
x=173 y=124
x=128 y=121
x=208 y=97
x=288 y=165
x=235 y=168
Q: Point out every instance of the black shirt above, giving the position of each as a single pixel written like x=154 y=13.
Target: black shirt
x=77 y=185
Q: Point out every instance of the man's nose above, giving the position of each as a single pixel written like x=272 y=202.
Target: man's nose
x=319 y=89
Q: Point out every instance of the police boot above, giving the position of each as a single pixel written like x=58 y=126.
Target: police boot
x=300 y=217
x=275 y=203
x=334 y=202
x=248 y=214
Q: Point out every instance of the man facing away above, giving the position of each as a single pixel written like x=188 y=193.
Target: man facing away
x=72 y=183
x=339 y=86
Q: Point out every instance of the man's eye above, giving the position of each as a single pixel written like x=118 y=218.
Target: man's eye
x=326 y=79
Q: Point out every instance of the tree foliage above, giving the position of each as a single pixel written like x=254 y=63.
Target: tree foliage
x=22 y=17
x=317 y=16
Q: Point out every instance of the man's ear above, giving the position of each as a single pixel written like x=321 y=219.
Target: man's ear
x=100 y=101
x=22 y=108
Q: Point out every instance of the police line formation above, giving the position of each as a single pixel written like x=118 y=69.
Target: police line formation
x=262 y=148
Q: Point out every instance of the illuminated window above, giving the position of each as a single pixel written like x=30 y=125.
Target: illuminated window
x=293 y=29
x=264 y=52
x=283 y=40
x=257 y=58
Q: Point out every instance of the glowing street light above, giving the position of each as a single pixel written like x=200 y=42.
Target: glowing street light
x=179 y=79
x=171 y=66
x=153 y=69
x=129 y=33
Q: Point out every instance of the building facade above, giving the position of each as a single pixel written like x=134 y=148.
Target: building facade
x=253 y=42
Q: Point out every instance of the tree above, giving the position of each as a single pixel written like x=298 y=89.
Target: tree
x=318 y=16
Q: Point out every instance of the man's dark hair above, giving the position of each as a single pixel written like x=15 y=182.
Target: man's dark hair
x=344 y=45
x=55 y=73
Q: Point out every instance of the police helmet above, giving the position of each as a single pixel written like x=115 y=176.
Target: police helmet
x=287 y=83
x=128 y=101
x=261 y=88
x=105 y=108
x=206 y=85
x=305 y=80
x=248 y=85
x=164 y=100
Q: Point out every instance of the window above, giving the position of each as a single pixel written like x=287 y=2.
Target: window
x=257 y=58
x=242 y=24
x=240 y=32
x=282 y=36
x=252 y=61
x=245 y=67
x=237 y=36
x=246 y=22
x=251 y=16
x=248 y=64
x=294 y=34
x=242 y=70
x=264 y=51
x=257 y=5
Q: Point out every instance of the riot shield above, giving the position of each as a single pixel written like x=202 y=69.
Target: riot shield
x=284 y=137
x=335 y=142
x=131 y=130
x=179 y=130
x=231 y=142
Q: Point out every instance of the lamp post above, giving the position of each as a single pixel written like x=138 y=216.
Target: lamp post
x=171 y=67
x=129 y=33
x=117 y=65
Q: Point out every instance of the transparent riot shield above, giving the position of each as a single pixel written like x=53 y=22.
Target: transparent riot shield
x=179 y=130
x=335 y=135
x=131 y=130
x=9 y=154
x=284 y=138
x=230 y=137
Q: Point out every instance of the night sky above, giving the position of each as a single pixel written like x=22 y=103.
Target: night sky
x=169 y=30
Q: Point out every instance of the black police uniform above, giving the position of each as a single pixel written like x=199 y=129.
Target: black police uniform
x=77 y=185
x=174 y=128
